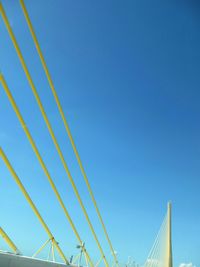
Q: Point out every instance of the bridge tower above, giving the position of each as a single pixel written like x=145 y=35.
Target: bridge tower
x=169 y=259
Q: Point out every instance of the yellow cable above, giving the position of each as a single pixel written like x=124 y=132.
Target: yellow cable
x=155 y=250
x=65 y=122
x=9 y=241
x=25 y=128
x=14 y=41
x=23 y=190
x=41 y=248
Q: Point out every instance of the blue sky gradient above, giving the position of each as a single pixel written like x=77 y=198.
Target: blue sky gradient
x=127 y=75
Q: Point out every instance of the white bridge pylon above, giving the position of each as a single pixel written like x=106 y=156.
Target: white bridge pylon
x=160 y=254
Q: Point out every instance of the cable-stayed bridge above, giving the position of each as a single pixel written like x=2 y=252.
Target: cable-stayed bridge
x=161 y=252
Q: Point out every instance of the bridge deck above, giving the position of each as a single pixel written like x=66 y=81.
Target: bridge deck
x=13 y=260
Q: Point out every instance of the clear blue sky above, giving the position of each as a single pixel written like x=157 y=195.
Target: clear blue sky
x=127 y=74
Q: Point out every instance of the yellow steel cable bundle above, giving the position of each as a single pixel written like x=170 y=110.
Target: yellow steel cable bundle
x=26 y=195
x=65 y=122
x=14 y=41
x=35 y=149
x=7 y=238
